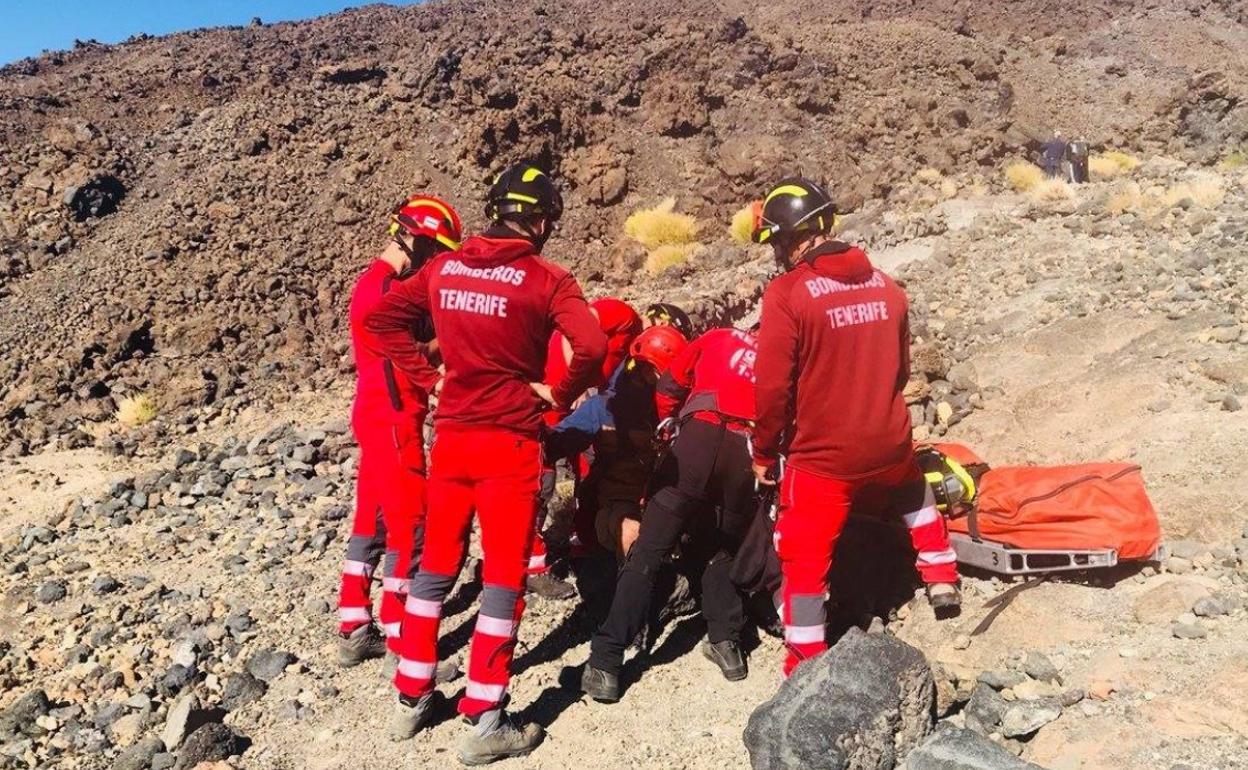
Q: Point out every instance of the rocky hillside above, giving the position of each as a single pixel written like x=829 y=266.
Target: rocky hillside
x=168 y=602
x=181 y=216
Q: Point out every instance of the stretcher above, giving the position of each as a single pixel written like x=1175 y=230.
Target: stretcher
x=1035 y=521
x=1004 y=559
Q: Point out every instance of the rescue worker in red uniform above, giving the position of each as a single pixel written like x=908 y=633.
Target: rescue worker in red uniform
x=388 y=418
x=834 y=358
x=706 y=470
x=667 y=314
x=621 y=324
x=494 y=303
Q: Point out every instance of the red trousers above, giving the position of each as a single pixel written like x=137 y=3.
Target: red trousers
x=389 y=511
x=497 y=474
x=813 y=511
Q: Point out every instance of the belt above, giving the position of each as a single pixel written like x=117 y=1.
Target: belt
x=736 y=424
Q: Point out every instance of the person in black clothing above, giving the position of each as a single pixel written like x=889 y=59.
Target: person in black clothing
x=619 y=425
x=706 y=470
x=1053 y=155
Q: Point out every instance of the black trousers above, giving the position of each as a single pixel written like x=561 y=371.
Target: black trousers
x=707 y=474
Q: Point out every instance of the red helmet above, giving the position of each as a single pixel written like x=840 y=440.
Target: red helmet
x=658 y=346
x=425 y=216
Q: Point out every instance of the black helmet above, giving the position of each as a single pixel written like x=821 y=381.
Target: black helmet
x=524 y=189
x=666 y=314
x=795 y=205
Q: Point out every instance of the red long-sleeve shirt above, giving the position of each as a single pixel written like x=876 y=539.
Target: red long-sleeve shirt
x=712 y=378
x=619 y=322
x=494 y=303
x=382 y=393
x=833 y=360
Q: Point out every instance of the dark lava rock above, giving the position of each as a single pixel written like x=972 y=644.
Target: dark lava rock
x=863 y=704
x=52 y=591
x=956 y=749
x=98 y=197
x=268 y=664
x=19 y=718
x=211 y=743
x=140 y=755
x=242 y=688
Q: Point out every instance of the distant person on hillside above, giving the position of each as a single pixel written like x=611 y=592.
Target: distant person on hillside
x=833 y=360
x=495 y=303
x=1077 y=162
x=1053 y=155
x=388 y=417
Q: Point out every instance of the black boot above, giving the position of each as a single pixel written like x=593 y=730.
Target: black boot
x=600 y=685
x=548 y=586
x=729 y=657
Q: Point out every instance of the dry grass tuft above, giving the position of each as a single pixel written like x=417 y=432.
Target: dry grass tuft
x=1129 y=198
x=742 y=227
x=1202 y=190
x=137 y=410
x=1024 y=176
x=661 y=226
x=928 y=175
x=1235 y=160
x=671 y=255
x=1051 y=190
x=1112 y=164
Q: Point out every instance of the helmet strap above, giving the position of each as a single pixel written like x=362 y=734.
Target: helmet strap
x=524 y=225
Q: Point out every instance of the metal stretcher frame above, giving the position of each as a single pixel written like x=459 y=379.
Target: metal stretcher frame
x=1007 y=560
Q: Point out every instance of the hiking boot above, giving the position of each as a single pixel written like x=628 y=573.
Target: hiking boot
x=600 y=685
x=506 y=739
x=446 y=671
x=364 y=643
x=410 y=716
x=548 y=586
x=728 y=656
x=945 y=598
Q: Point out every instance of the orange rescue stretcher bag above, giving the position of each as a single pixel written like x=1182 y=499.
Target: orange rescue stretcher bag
x=1072 y=507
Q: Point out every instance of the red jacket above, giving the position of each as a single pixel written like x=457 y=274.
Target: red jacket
x=619 y=322
x=382 y=393
x=712 y=378
x=834 y=358
x=495 y=303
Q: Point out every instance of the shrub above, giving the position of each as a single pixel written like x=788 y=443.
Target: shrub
x=1049 y=189
x=1237 y=159
x=670 y=255
x=661 y=226
x=137 y=410
x=1111 y=164
x=1129 y=198
x=1023 y=176
x=1204 y=190
x=742 y=227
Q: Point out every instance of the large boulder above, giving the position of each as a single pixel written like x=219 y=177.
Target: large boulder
x=862 y=705
x=957 y=749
